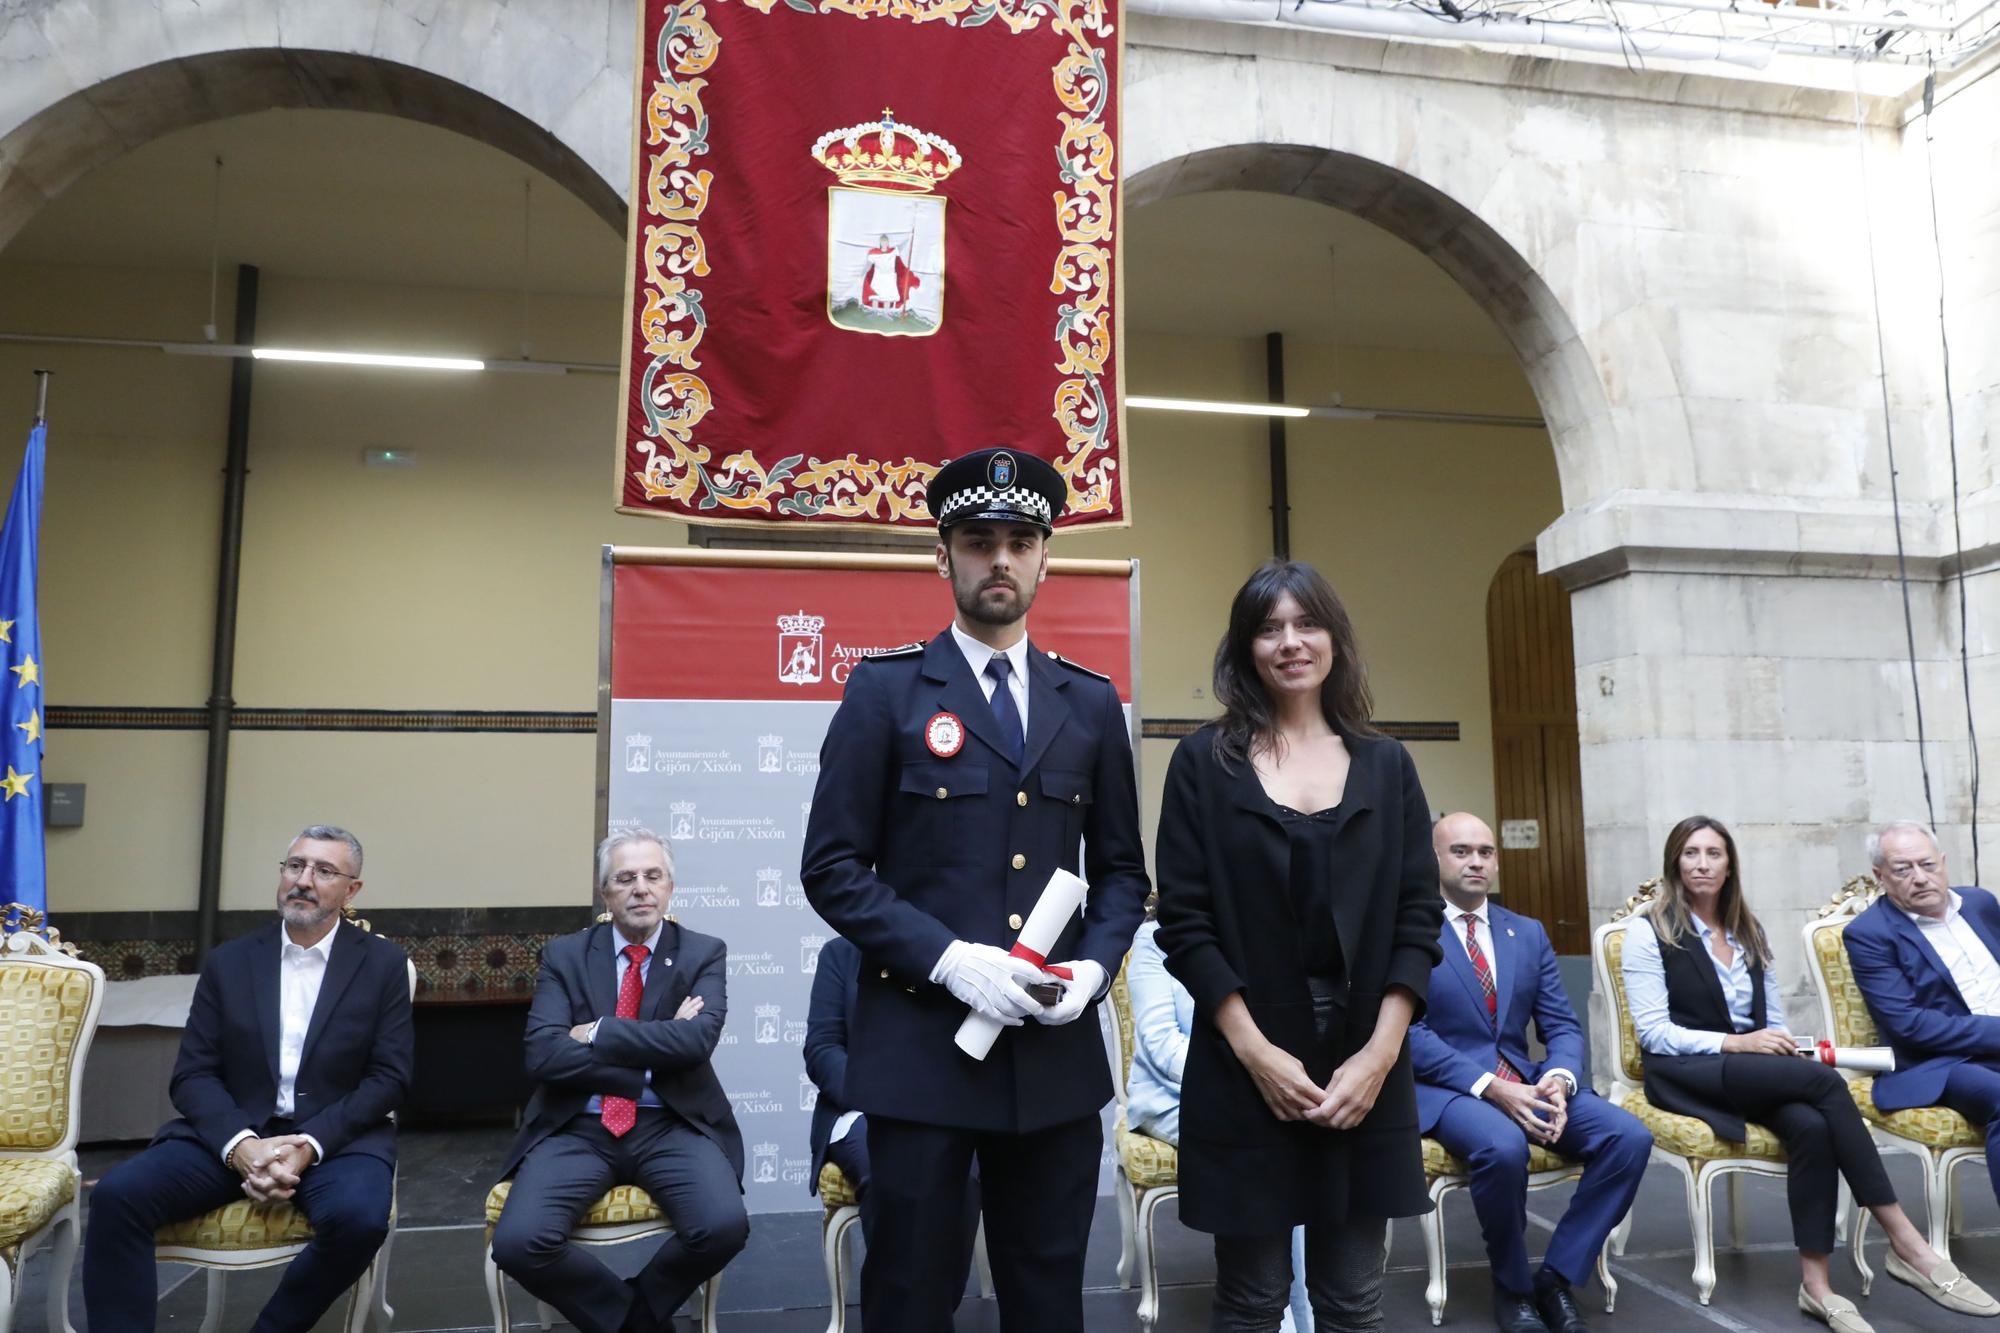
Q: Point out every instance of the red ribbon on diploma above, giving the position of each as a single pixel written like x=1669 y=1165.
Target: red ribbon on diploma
x=1022 y=951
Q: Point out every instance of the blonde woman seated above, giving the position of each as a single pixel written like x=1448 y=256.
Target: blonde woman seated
x=1715 y=1047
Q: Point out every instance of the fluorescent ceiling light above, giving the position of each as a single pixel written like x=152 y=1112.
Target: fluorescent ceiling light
x=367 y=359
x=1225 y=409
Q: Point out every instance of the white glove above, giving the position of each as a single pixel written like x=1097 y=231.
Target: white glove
x=1086 y=979
x=988 y=980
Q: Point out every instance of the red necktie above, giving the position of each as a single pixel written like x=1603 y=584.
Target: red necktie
x=621 y=1113
x=1505 y=1072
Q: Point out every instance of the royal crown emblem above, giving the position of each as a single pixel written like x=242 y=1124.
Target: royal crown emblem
x=885 y=155
x=801 y=623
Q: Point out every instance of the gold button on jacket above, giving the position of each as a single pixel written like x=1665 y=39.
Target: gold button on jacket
x=1014 y=921
x=1019 y=860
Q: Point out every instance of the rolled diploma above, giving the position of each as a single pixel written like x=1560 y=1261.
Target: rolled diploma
x=1061 y=897
x=1868 y=1059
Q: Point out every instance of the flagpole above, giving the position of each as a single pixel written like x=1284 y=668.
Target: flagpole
x=42 y=396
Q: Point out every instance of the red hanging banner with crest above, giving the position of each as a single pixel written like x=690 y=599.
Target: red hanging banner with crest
x=868 y=236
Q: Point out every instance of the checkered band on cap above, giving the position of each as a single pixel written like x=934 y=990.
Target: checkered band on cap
x=1020 y=499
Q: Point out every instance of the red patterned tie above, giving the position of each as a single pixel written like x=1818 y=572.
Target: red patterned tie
x=621 y=1113
x=1503 y=1071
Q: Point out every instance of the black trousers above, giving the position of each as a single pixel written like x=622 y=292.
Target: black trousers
x=850 y=1154
x=1038 y=1191
x=1807 y=1105
x=684 y=1171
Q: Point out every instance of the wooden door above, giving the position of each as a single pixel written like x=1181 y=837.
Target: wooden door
x=1536 y=766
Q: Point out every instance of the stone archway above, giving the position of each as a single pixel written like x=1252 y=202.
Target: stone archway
x=1493 y=272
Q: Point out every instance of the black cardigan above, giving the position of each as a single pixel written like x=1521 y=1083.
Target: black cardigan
x=1692 y=1084
x=1227 y=924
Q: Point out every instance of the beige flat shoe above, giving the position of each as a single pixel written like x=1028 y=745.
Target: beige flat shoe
x=1945 y=1285
x=1837 y=1314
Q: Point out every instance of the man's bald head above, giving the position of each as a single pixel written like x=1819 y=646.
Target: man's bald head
x=1468 y=860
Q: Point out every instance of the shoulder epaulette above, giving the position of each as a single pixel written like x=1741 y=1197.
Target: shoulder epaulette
x=1055 y=656
x=902 y=651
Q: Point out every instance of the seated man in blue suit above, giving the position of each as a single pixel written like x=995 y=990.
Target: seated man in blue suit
x=1481 y=1095
x=297 y=1048
x=1926 y=958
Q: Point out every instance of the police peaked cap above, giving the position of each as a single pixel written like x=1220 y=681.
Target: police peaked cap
x=1000 y=485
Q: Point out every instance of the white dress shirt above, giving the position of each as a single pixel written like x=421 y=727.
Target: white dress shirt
x=301 y=972
x=1971 y=964
x=1646 y=991
x=977 y=655
x=1483 y=932
x=619 y=942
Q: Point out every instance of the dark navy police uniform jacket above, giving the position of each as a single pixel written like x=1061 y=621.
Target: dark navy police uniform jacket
x=907 y=850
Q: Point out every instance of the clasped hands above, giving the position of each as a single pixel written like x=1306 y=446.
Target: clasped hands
x=1292 y=1095
x=989 y=980
x=1540 y=1109
x=688 y=1009
x=271 y=1167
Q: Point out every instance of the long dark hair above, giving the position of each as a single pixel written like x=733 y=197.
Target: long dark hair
x=1248 y=720
x=1672 y=919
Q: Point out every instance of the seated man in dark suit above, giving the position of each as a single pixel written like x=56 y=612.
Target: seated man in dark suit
x=297 y=1048
x=624 y=1020
x=1482 y=1096
x=840 y=1133
x=1926 y=958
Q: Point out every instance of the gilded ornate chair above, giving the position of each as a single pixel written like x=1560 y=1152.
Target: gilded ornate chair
x=625 y=1213
x=1937 y=1135
x=49 y=1002
x=243 y=1235
x=1681 y=1142
x=841 y=1211
x=1444 y=1173
x=1148 y=1168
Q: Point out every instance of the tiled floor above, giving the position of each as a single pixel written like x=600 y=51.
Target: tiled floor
x=777 y=1285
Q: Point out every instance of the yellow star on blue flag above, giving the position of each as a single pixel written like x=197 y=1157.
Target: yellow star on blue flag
x=23 y=865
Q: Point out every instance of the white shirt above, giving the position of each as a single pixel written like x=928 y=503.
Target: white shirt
x=301 y=972
x=1484 y=933
x=977 y=655
x=619 y=943
x=1971 y=964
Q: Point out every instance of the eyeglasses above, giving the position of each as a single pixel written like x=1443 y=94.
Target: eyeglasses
x=296 y=868
x=625 y=879
x=1905 y=869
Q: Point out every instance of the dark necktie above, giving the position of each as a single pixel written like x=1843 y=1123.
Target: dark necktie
x=1504 y=1071
x=1004 y=711
x=621 y=1113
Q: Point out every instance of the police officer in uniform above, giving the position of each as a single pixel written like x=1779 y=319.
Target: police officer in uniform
x=956 y=776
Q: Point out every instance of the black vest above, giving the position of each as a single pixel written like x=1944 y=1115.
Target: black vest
x=1692 y=1084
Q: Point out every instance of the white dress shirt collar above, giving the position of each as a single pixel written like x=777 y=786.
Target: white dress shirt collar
x=619 y=943
x=977 y=654
x=1953 y=907
x=324 y=948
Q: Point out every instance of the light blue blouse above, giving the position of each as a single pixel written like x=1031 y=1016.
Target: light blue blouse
x=1646 y=993
x=1162 y=1018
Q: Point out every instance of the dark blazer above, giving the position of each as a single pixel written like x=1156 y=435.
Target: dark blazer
x=907 y=850
x=359 y=1052
x=1457 y=1041
x=1227 y=925
x=835 y=984
x=578 y=983
x=1692 y=1084
x=1915 y=1002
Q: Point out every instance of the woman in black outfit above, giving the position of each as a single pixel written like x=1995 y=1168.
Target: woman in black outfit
x=1299 y=906
x=1713 y=1039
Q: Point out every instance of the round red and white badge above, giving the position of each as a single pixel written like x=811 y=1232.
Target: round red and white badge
x=945 y=734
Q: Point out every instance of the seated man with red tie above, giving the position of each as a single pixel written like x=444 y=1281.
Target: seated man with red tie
x=624 y=1020
x=1481 y=1095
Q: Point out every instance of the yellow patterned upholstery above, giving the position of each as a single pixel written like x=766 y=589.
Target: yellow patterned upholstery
x=42 y=1009
x=1853 y=1025
x=620 y=1206
x=241 y=1225
x=1149 y=1163
x=835 y=1190
x=1933 y=1126
x=31 y=1190
x=1121 y=1013
x=1685 y=1136
x=1628 y=1036
x=1438 y=1162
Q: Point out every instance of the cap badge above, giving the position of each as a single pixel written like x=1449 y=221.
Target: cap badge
x=1000 y=471
x=945 y=735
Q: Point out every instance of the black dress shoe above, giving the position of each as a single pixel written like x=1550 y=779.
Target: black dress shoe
x=1559 y=1310
x=1516 y=1314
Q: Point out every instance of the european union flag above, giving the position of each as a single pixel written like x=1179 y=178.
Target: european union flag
x=23 y=871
